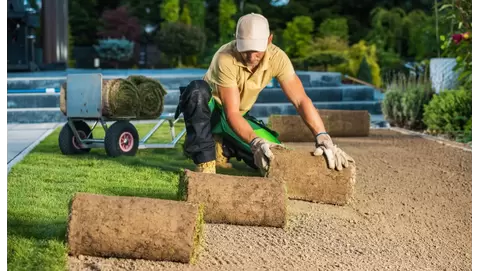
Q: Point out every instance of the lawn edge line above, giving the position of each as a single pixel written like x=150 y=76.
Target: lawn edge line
x=433 y=138
x=28 y=149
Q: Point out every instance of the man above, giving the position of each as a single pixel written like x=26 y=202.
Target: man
x=216 y=108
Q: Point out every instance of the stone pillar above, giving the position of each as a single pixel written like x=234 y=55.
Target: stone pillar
x=55 y=31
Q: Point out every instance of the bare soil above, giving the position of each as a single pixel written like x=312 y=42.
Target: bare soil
x=412 y=210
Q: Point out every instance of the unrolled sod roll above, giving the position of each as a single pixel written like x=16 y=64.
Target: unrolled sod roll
x=308 y=177
x=338 y=123
x=134 y=227
x=240 y=200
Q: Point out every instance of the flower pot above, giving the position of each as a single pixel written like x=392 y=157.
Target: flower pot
x=442 y=74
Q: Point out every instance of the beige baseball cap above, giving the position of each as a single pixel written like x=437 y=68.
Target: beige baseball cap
x=252 y=33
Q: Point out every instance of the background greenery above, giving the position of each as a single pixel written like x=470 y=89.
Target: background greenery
x=389 y=32
x=387 y=43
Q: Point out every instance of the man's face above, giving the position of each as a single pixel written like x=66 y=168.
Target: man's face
x=252 y=58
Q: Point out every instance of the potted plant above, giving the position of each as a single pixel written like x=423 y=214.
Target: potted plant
x=453 y=67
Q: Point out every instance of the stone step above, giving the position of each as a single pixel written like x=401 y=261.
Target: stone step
x=267 y=109
x=33 y=100
x=172 y=81
x=259 y=110
x=42 y=85
x=318 y=79
x=345 y=93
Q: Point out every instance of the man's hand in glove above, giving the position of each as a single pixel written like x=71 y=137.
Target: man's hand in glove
x=336 y=158
x=262 y=154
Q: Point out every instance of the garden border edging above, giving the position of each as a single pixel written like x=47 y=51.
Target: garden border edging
x=28 y=149
x=433 y=138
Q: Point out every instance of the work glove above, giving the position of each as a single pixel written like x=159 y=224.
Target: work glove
x=336 y=158
x=262 y=153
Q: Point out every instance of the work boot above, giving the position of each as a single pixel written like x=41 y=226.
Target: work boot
x=222 y=161
x=207 y=167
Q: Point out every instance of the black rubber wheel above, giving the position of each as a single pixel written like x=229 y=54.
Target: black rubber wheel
x=121 y=139
x=68 y=143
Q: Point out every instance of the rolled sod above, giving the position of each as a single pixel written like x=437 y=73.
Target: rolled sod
x=63 y=98
x=308 y=178
x=239 y=200
x=151 y=94
x=134 y=227
x=338 y=123
x=120 y=98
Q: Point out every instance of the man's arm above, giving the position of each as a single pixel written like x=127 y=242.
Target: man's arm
x=295 y=92
x=230 y=97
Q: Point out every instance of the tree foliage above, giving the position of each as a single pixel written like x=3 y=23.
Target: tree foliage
x=388 y=29
x=457 y=42
x=297 y=37
x=334 y=27
x=364 y=72
x=185 y=16
x=118 y=24
x=83 y=20
x=179 y=40
x=147 y=11
x=324 y=53
x=251 y=8
x=169 y=10
x=400 y=30
x=355 y=55
x=197 y=12
x=226 y=24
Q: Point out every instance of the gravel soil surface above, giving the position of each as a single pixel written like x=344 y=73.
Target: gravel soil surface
x=412 y=211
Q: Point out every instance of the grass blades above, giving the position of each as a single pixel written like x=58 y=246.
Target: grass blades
x=41 y=186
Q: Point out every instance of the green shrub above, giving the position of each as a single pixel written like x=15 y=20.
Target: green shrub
x=115 y=49
x=322 y=60
x=392 y=107
x=179 y=41
x=330 y=43
x=334 y=27
x=449 y=113
x=324 y=53
x=466 y=136
x=405 y=98
x=364 y=72
x=355 y=55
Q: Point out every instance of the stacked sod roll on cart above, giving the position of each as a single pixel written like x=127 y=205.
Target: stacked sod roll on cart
x=89 y=97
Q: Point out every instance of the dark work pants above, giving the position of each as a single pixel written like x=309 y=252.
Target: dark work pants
x=199 y=143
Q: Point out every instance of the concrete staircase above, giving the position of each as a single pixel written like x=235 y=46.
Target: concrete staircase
x=36 y=99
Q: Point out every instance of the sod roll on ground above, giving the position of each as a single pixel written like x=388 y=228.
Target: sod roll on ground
x=134 y=227
x=308 y=177
x=240 y=200
x=338 y=123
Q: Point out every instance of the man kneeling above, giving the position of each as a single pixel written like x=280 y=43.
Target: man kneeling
x=216 y=108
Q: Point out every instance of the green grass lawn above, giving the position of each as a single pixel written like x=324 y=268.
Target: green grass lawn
x=41 y=186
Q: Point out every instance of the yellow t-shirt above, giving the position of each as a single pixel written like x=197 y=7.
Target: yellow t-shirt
x=228 y=70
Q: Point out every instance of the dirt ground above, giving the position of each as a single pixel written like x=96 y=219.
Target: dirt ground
x=412 y=211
